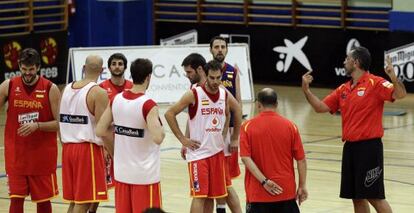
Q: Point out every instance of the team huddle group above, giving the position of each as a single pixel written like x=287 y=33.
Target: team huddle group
x=111 y=135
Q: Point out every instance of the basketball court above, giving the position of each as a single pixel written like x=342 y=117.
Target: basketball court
x=321 y=136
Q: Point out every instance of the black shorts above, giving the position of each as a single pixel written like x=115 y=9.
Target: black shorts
x=363 y=170
x=288 y=206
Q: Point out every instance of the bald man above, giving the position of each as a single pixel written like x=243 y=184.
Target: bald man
x=83 y=166
x=269 y=145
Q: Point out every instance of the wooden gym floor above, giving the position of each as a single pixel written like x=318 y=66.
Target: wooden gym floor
x=320 y=134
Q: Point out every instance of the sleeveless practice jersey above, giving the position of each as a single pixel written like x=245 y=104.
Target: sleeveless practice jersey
x=77 y=124
x=136 y=156
x=35 y=154
x=207 y=119
x=113 y=89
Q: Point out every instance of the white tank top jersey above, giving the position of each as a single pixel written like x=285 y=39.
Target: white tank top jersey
x=207 y=125
x=136 y=156
x=77 y=124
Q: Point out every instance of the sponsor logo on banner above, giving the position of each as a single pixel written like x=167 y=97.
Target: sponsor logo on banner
x=11 y=52
x=289 y=52
x=402 y=59
x=49 y=50
x=352 y=43
x=169 y=81
x=49 y=54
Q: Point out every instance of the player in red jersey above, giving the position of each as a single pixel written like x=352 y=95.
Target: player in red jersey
x=31 y=151
x=117 y=64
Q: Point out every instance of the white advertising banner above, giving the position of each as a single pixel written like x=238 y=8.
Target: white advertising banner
x=402 y=59
x=168 y=82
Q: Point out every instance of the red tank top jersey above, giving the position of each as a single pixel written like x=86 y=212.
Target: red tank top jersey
x=113 y=89
x=35 y=154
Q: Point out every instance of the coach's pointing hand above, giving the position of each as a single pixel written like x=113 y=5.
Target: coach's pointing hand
x=306 y=80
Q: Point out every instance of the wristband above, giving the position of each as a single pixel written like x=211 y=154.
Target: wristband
x=264 y=181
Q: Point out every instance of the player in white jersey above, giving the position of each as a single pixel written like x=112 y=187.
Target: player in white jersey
x=208 y=125
x=193 y=66
x=83 y=167
x=138 y=135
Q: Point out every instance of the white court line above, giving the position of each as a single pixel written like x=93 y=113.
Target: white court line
x=337 y=146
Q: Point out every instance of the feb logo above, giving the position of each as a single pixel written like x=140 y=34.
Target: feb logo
x=11 y=52
x=49 y=50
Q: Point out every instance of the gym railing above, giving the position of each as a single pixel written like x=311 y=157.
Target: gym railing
x=21 y=17
x=294 y=13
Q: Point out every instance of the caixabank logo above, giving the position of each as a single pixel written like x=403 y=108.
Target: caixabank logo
x=11 y=52
x=289 y=52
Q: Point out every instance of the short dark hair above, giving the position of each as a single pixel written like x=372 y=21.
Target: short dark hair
x=118 y=56
x=267 y=97
x=362 y=55
x=140 y=69
x=29 y=57
x=194 y=60
x=212 y=65
x=217 y=38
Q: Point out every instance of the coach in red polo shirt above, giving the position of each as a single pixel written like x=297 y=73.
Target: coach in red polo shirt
x=268 y=145
x=361 y=103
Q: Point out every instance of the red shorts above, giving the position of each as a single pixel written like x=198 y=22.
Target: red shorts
x=227 y=172
x=83 y=173
x=233 y=162
x=207 y=177
x=40 y=187
x=137 y=198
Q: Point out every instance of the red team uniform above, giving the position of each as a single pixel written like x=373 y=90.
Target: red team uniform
x=228 y=80
x=30 y=161
x=136 y=156
x=113 y=90
x=83 y=166
x=206 y=164
x=286 y=146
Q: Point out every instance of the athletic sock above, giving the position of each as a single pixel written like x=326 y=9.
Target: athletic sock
x=221 y=208
x=44 y=207
x=16 y=205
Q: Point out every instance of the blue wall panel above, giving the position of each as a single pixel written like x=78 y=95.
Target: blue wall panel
x=402 y=21
x=111 y=23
